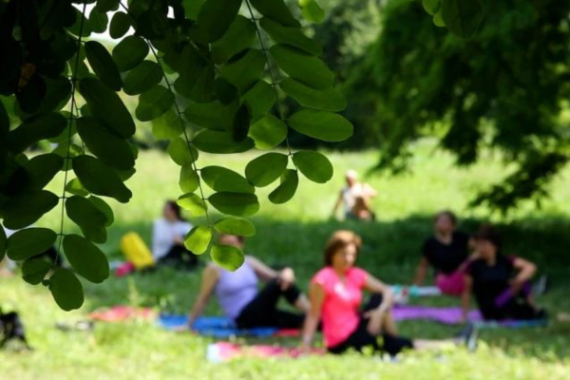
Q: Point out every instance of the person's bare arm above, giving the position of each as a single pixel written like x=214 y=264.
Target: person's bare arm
x=526 y=271
x=209 y=281
x=262 y=270
x=337 y=204
x=316 y=298
x=421 y=271
x=466 y=297
x=370 y=191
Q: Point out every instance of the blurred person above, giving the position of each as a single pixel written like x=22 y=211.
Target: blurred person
x=355 y=198
x=500 y=284
x=168 y=235
x=336 y=295
x=241 y=298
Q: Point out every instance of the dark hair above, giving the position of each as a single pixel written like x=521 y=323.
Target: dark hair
x=448 y=213
x=340 y=240
x=488 y=233
x=177 y=210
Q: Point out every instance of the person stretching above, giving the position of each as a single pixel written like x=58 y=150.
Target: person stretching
x=356 y=198
x=447 y=251
x=500 y=284
x=335 y=296
x=240 y=297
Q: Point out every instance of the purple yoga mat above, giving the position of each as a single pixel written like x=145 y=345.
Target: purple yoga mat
x=446 y=315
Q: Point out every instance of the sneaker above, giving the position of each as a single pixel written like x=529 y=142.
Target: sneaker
x=541 y=286
x=468 y=337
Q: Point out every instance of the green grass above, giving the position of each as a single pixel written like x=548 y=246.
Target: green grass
x=294 y=234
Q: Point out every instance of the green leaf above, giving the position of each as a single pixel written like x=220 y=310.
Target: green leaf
x=221 y=179
x=277 y=11
x=100 y=179
x=3 y=240
x=88 y=217
x=237 y=204
x=181 y=152
x=235 y=226
x=260 y=98
x=58 y=93
x=438 y=20
x=67 y=154
x=216 y=16
x=130 y=52
x=69 y=131
x=189 y=180
x=107 y=106
x=268 y=132
x=190 y=68
x=76 y=188
x=225 y=91
x=192 y=8
x=462 y=17
x=154 y=103
x=286 y=190
x=291 y=36
x=193 y=203
x=167 y=126
x=66 y=289
x=238 y=38
x=85 y=258
x=120 y=25
x=321 y=125
x=227 y=256
x=198 y=239
x=312 y=11
x=246 y=70
x=303 y=67
x=104 y=208
x=204 y=88
x=107 y=5
x=24 y=210
x=212 y=115
x=40 y=170
x=431 y=6
x=35 y=270
x=34 y=129
x=142 y=78
x=241 y=122
x=314 y=166
x=81 y=26
x=29 y=242
x=98 y=21
x=327 y=100
x=218 y=142
x=112 y=150
x=265 y=169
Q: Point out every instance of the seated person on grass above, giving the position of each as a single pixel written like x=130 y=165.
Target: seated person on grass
x=336 y=296
x=168 y=235
x=447 y=251
x=240 y=297
x=500 y=283
x=355 y=198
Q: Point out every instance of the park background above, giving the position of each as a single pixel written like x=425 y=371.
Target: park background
x=294 y=234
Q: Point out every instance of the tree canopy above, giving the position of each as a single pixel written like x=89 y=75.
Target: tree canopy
x=502 y=89
x=210 y=75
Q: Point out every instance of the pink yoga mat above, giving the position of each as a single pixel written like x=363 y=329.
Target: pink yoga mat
x=223 y=351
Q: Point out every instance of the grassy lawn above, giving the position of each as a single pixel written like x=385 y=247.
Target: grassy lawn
x=294 y=234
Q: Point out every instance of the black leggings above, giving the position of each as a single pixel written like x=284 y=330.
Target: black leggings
x=262 y=311
x=361 y=338
x=178 y=256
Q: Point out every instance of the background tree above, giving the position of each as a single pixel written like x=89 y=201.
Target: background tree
x=210 y=75
x=502 y=89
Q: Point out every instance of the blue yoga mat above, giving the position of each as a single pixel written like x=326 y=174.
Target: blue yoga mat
x=216 y=327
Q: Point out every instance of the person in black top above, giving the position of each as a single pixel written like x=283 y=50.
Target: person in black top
x=499 y=283
x=447 y=252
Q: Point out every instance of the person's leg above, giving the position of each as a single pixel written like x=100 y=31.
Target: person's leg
x=287 y=320
x=260 y=311
x=179 y=255
x=388 y=323
x=451 y=284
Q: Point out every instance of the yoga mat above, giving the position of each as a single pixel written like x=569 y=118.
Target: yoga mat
x=122 y=313
x=221 y=327
x=223 y=351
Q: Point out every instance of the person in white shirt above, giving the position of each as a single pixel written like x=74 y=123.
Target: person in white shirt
x=168 y=235
x=355 y=198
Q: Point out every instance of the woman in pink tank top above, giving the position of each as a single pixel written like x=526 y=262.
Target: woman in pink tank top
x=335 y=298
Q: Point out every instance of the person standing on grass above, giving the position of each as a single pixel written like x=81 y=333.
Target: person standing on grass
x=447 y=251
x=355 y=198
x=168 y=235
x=240 y=297
x=336 y=295
x=500 y=284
